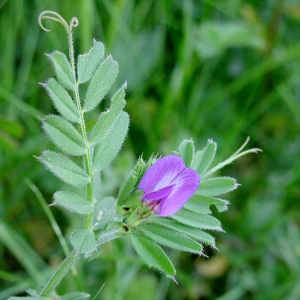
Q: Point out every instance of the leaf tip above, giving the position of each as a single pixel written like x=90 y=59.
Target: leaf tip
x=43 y=84
x=256 y=150
x=38 y=158
x=49 y=55
x=41 y=119
x=237 y=185
x=173 y=278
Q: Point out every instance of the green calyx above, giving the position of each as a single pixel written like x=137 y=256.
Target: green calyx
x=133 y=211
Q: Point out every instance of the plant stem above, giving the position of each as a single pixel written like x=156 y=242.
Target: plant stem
x=59 y=274
x=72 y=259
x=87 y=156
x=108 y=236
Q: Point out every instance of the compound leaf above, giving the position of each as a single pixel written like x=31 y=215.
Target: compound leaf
x=170 y=238
x=88 y=63
x=152 y=254
x=73 y=202
x=75 y=296
x=186 y=149
x=194 y=233
x=111 y=144
x=201 y=221
x=63 y=70
x=64 y=135
x=203 y=159
x=216 y=186
x=199 y=201
x=83 y=241
x=62 y=101
x=65 y=169
x=101 y=83
x=107 y=119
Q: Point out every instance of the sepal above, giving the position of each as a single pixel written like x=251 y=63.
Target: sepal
x=132 y=181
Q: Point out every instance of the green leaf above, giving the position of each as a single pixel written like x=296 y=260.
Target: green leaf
x=126 y=189
x=73 y=202
x=28 y=298
x=106 y=120
x=197 y=201
x=197 y=207
x=89 y=62
x=203 y=159
x=170 y=238
x=62 y=101
x=101 y=83
x=63 y=70
x=65 y=169
x=75 y=296
x=83 y=241
x=216 y=186
x=186 y=149
x=194 y=233
x=152 y=254
x=64 y=135
x=104 y=212
x=201 y=221
x=112 y=143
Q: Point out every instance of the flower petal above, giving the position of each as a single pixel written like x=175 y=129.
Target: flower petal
x=160 y=194
x=161 y=174
x=186 y=184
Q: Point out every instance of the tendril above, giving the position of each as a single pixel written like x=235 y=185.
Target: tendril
x=74 y=22
x=54 y=16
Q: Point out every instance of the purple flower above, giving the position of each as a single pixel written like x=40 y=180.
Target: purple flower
x=168 y=185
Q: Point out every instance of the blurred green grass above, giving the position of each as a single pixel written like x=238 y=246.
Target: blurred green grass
x=203 y=69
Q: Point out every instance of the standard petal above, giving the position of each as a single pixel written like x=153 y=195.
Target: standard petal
x=160 y=194
x=186 y=184
x=161 y=174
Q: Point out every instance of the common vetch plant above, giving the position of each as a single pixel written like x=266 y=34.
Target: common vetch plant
x=164 y=202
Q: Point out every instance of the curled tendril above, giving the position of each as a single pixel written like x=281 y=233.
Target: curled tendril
x=54 y=16
x=74 y=22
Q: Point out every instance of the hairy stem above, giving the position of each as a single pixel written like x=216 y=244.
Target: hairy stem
x=87 y=156
x=59 y=274
x=72 y=259
x=108 y=236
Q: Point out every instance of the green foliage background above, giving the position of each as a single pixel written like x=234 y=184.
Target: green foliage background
x=200 y=69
